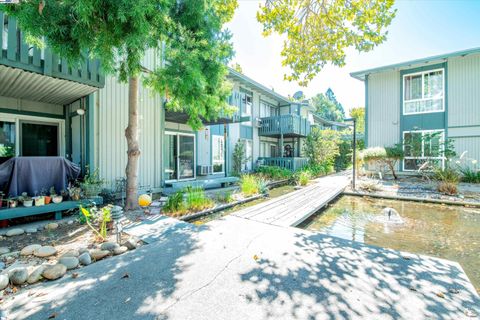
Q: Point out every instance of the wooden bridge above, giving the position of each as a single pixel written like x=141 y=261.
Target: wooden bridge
x=295 y=207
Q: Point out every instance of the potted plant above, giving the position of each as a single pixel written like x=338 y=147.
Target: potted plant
x=75 y=193
x=46 y=197
x=39 y=200
x=12 y=202
x=65 y=194
x=26 y=199
x=55 y=197
x=92 y=184
x=1 y=199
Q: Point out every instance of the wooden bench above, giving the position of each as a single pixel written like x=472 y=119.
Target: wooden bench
x=57 y=208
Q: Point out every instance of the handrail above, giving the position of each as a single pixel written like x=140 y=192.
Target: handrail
x=287 y=124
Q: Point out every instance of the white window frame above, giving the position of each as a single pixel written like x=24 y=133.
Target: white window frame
x=442 y=141
x=222 y=162
x=178 y=134
x=423 y=73
x=249 y=163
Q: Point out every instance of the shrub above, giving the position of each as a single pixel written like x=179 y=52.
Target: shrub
x=174 y=203
x=447 y=178
x=196 y=199
x=238 y=158
x=224 y=197
x=274 y=173
x=469 y=175
x=322 y=146
x=304 y=177
x=388 y=156
x=249 y=185
x=344 y=158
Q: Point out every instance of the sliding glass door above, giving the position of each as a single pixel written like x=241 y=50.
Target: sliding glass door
x=179 y=156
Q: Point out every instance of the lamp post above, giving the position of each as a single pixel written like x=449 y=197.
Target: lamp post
x=354 y=145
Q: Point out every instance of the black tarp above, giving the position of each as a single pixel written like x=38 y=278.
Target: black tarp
x=34 y=174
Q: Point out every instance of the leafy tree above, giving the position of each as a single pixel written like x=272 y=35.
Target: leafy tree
x=118 y=32
x=326 y=108
x=331 y=96
x=237 y=67
x=319 y=31
x=322 y=146
x=238 y=158
x=359 y=115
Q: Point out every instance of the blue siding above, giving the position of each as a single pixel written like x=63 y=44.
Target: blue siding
x=246 y=132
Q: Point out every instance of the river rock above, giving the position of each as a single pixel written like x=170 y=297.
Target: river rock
x=71 y=253
x=69 y=262
x=45 y=251
x=3 y=281
x=31 y=230
x=36 y=274
x=85 y=259
x=54 y=272
x=120 y=250
x=15 y=232
x=28 y=250
x=18 y=276
x=99 y=254
x=82 y=250
x=51 y=226
x=131 y=244
x=4 y=250
x=110 y=246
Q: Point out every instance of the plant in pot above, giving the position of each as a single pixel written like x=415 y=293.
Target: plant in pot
x=26 y=199
x=12 y=202
x=47 y=198
x=65 y=194
x=39 y=200
x=56 y=198
x=75 y=193
x=92 y=184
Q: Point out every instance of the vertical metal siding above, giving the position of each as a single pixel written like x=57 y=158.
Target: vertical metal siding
x=472 y=147
x=383 y=109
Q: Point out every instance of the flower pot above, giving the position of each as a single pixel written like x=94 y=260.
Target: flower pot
x=27 y=203
x=39 y=201
x=12 y=203
x=47 y=199
x=57 y=199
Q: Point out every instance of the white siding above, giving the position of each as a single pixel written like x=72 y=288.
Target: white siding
x=472 y=147
x=383 y=109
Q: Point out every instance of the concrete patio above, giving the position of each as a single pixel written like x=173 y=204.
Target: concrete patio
x=235 y=268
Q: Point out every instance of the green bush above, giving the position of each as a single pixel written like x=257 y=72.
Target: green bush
x=249 y=185
x=304 y=177
x=174 y=203
x=274 y=173
x=387 y=156
x=447 y=179
x=224 y=197
x=322 y=146
x=196 y=199
x=469 y=175
x=344 y=158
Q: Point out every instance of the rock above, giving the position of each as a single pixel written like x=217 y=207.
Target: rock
x=28 y=250
x=85 y=258
x=4 y=250
x=110 y=246
x=15 y=232
x=2 y=266
x=31 y=230
x=71 y=253
x=69 y=262
x=99 y=254
x=54 y=272
x=36 y=274
x=82 y=250
x=45 y=251
x=3 y=281
x=120 y=250
x=51 y=226
x=70 y=222
x=18 y=276
x=131 y=244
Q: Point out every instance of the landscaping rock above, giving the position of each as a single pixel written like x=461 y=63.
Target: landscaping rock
x=131 y=244
x=120 y=250
x=31 y=230
x=15 y=232
x=99 y=254
x=18 y=276
x=69 y=262
x=82 y=250
x=28 y=250
x=45 y=251
x=3 y=281
x=51 y=226
x=2 y=266
x=85 y=258
x=36 y=274
x=54 y=272
x=71 y=253
x=4 y=250
x=110 y=246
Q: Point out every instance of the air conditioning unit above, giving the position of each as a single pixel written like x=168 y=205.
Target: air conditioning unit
x=258 y=122
x=204 y=170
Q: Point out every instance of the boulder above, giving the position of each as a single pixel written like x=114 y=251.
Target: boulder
x=120 y=250
x=28 y=250
x=15 y=232
x=110 y=246
x=3 y=281
x=18 y=276
x=45 y=251
x=4 y=250
x=51 y=226
x=69 y=262
x=36 y=274
x=85 y=258
x=53 y=272
x=131 y=244
x=99 y=254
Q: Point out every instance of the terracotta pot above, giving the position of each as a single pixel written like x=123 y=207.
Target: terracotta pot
x=47 y=199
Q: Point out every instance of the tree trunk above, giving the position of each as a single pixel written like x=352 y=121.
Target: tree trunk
x=392 y=168
x=133 y=152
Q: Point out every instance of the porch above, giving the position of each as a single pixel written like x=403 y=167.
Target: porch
x=288 y=125
x=290 y=163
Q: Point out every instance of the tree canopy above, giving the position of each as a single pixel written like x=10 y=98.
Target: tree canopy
x=359 y=115
x=319 y=31
x=327 y=106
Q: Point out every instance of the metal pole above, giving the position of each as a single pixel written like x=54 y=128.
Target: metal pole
x=354 y=151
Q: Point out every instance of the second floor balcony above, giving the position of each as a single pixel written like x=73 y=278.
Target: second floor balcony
x=288 y=125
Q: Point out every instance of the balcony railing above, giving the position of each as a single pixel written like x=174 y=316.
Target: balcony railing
x=16 y=53
x=290 y=163
x=289 y=125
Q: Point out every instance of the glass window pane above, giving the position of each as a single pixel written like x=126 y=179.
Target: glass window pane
x=432 y=144
x=218 y=153
x=413 y=87
x=39 y=140
x=186 y=157
x=7 y=140
x=171 y=157
x=433 y=84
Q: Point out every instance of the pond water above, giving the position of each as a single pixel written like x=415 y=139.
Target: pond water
x=449 y=232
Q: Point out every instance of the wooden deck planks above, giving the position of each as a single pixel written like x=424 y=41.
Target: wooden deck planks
x=293 y=208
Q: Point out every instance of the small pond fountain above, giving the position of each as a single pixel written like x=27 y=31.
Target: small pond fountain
x=389 y=216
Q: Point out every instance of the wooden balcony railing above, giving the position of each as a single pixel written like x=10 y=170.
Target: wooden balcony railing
x=16 y=53
x=287 y=124
x=290 y=163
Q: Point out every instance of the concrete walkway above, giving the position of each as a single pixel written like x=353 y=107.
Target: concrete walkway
x=236 y=268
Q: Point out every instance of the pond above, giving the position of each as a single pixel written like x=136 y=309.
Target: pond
x=448 y=232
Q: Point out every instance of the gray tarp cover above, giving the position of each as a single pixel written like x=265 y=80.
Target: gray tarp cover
x=32 y=174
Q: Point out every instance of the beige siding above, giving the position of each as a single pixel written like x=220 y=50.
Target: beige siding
x=464 y=91
x=384 y=109
x=30 y=106
x=111 y=119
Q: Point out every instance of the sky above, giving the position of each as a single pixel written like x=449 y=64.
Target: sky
x=420 y=29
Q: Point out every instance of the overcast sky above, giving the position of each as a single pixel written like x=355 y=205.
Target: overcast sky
x=420 y=29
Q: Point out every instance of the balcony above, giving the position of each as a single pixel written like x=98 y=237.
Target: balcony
x=288 y=125
x=16 y=53
x=290 y=163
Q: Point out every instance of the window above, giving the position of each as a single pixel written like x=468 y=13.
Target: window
x=7 y=140
x=179 y=156
x=39 y=139
x=218 y=154
x=246 y=107
x=248 y=145
x=266 y=110
x=423 y=146
x=423 y=92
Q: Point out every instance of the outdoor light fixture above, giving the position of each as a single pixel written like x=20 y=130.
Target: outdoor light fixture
x=80 y=111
